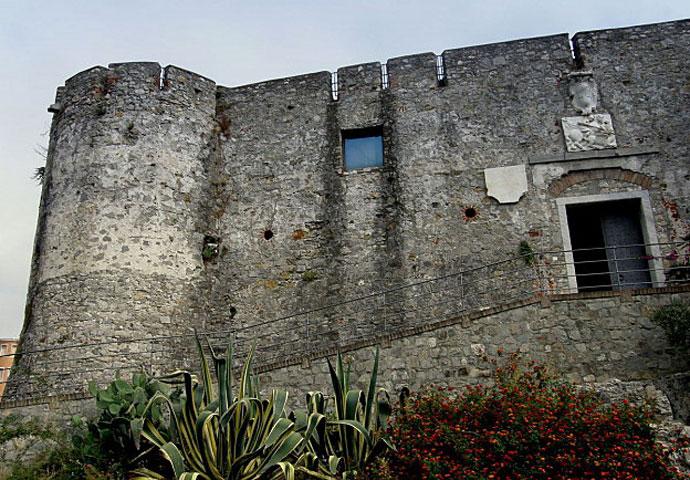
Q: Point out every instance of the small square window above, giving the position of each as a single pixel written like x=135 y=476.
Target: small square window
x=363 y=148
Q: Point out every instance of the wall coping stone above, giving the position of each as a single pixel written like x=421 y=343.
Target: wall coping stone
x=608 y=153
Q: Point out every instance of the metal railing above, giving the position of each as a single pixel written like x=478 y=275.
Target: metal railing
x=64 y=369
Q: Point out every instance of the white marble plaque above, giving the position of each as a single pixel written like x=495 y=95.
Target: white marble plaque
x=506 y=184
x=588 y=132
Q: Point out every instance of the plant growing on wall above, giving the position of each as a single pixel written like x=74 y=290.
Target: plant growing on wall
x=526 y=251
x=210 y=249
x=675 y=320
x=679 y=271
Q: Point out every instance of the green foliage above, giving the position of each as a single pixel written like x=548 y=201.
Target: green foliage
x=101 y=448
x=309 y=276
x=216 y=431
x=527 y=425
x=123 y=409
x=675 y=320
x=234 y=434
x=210 y=249
x=527 y=253
x=345 y=439
x=14 y=426
x=59 y=463
x=209 y=252
x=52 y=456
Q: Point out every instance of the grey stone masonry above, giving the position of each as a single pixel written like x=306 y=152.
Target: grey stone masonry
x=585 y=338
x=591 y=338
x=171 y=203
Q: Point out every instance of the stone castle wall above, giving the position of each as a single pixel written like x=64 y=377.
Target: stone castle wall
x=148 y=166
x=591 y=339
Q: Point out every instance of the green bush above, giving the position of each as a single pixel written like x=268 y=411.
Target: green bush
x=675 y=320
x=55 y=456
x=525 y=426
x=123 y=406
x=60 y=463
x=104 y=448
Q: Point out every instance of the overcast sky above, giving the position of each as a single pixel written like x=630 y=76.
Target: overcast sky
x=44 y=42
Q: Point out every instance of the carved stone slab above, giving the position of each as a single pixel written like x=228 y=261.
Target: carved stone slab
x=506 y=184
x=583 y=92
x=590 y=132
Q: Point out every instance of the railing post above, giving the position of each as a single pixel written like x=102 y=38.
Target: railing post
x=385 y=316
x=305 y=340
x=615 y=268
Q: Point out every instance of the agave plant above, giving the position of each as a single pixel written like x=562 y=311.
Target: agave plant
x=226 y=436
x=342 y=441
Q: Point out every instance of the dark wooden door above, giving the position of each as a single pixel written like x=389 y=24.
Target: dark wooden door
x=624 y=242
x=607 y=243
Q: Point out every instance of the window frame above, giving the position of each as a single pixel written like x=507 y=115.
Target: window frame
x=361 y=132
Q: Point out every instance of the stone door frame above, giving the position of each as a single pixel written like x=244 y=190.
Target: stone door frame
x=646 y=223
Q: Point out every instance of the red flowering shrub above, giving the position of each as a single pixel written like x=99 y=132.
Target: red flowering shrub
x=526 y=426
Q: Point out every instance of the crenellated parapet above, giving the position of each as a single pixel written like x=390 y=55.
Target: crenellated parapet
x=404 y=73
x=120 y=227
x=126 y=140
x=171 y=202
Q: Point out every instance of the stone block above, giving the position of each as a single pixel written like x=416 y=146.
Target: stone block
x=591 y=132
x=506 y=184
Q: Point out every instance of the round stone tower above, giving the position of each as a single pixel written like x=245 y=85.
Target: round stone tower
x=117 y=255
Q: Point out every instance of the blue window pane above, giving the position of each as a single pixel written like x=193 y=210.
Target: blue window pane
x=363 y=152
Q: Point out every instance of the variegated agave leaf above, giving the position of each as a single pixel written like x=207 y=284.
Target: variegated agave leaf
x=227 y=436
x=357 y=434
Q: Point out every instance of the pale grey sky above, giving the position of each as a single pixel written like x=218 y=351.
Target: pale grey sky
x=44 y=42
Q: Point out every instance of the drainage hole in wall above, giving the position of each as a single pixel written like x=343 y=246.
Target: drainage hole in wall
x=470 y=213
x=268 y=234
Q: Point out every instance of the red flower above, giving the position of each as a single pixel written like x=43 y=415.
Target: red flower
x=526 y=426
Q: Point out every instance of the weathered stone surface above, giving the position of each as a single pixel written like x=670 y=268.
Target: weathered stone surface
x=628 y=366
x=144 y=166
x=583 y=92
x=638 y=393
